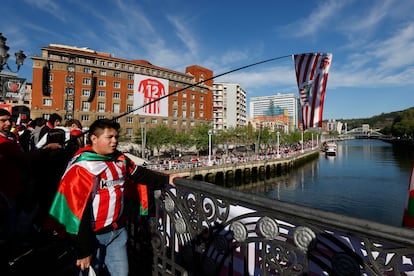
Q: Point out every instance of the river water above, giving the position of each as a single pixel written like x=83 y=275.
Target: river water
x=367 y=179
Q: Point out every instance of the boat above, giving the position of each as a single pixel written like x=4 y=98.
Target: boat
x=330 y=149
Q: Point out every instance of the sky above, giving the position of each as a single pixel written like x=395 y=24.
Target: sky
x=372 y=42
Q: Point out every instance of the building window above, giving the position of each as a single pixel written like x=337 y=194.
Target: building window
x=102 y=83
x=129 y=107
x=165 y=121
x=101 y=93
x=154 y=121
x=85 y=69
x=100 y=117
x=192 y=123
x=101 y=107
x=130 y=76
x=102 y=63
x=142 y=121
x=86 y=106
x=175 y=103
x=69 y=91
x=192 y=114
x=130 y=86
x=192 y=96
x=102 y=72
x=129 y=131
x=86 y=92
x=201 y=114
x=68 y=105
x=129 y=120
x=183 y=123
x=47 y=102
x=201 y=106
x=184 y=95
x=117 y=75
x=117 y=95
x=175 y=122
x=192 y=104
x=184 y=114
x=184 y=104
x=116 y=108
x=110 y=64
x=117 y=84
x=175 y=113
x=130 y=97
x=85 y=118
x=86 y=81
x=70 y=79
x=201 y=98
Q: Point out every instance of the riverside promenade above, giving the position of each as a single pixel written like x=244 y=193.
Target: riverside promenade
x=246 y=170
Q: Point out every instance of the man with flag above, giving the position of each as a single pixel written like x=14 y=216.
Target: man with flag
x=90 y=201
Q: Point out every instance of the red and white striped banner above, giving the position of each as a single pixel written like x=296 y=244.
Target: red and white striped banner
x=312 y=76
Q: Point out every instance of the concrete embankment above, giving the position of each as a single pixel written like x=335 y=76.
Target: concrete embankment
x=245 y=172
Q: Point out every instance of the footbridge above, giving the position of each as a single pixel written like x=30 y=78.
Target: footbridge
x=362 y=133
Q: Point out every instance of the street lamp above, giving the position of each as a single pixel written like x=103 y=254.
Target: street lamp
x=302 y=150
x=312 y=140
x=210 y=132
x=278 y=145
x=4 y=55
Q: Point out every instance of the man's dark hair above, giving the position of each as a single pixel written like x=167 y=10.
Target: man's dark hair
x=40 y=121
x=55 y=117
x=4 y=112
x=102 y=124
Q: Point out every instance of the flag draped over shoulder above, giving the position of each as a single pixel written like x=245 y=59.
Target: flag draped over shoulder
x=408 y=219
x=70 y=200
x=312 y=76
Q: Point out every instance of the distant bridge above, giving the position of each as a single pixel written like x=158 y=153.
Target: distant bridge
x=361 y=133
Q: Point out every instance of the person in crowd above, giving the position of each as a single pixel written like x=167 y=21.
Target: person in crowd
x=76 y=134
x=90 y=201
x=54 y=121
x=11 y=175
x=25 y=179
x=38 y=123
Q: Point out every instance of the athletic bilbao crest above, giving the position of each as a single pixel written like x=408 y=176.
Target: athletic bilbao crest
x=14 y=88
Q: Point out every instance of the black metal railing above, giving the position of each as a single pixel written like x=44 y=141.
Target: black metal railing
x=203 y=229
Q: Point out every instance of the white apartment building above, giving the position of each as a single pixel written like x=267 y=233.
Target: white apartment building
x=229 y=106
x=272 y=105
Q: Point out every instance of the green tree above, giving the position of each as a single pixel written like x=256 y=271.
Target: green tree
x=158 y=137
x=199 y=137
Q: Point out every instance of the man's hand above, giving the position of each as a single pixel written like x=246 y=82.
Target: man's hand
x=84 y=263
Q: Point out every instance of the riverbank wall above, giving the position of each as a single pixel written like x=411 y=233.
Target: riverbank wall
x=240 y=173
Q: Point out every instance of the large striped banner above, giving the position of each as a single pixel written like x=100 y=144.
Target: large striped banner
x=312 y=76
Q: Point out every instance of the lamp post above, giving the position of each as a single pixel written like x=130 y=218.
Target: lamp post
x=4 y=56
x=278 y=145
x=312 y=140
x=210 y=132
x=303 y=145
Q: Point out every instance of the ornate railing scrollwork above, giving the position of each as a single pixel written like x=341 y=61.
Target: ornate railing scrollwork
x=203 y=229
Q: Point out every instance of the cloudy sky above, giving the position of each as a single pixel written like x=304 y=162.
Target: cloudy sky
x=372 y=42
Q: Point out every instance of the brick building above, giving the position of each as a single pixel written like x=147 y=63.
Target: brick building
x=87 y=85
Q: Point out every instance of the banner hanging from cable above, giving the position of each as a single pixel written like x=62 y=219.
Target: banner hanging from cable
x=312 y=71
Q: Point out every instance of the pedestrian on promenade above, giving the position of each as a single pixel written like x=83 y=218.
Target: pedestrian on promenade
x=91 y=198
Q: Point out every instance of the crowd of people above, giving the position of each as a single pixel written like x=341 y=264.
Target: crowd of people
x=52 y=177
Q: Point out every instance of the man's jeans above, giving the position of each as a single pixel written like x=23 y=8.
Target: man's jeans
x=112 y=251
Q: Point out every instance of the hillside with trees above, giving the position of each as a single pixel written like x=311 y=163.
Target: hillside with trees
x=397 y=124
